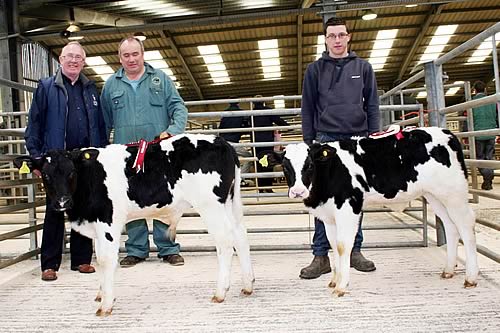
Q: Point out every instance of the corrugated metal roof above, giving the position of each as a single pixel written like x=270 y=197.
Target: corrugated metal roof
x=236 y=29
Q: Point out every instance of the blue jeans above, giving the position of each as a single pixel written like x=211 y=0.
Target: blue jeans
x=321 y=245
x=137 y=244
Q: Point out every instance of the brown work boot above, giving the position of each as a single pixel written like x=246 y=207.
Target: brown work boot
x=319 y=266
x=130 y=261
x=360 y=263
x=174 y=259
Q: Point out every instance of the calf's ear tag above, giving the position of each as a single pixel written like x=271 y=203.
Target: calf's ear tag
x=24 y=168
x=325 y=153
x=86 y=156
x=263 y=161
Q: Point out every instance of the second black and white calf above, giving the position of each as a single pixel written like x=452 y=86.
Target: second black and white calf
x=100 y=191
x=337 y=179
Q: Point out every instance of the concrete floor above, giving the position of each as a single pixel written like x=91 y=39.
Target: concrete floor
x=404 y=294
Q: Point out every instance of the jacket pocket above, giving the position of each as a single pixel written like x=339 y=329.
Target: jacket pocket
x=156 y=96
x=342 y=118
x=118 y=99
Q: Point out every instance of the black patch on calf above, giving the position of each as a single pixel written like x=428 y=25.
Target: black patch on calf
x=150 y=186
x=330 y=179
x=91 y=201
x=440 y=154
x=455 y=145
x=389 y=164
x=109 y=237
x=161 y=169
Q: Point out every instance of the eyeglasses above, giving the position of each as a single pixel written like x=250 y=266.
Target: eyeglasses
x=76 y=57
x=341 y=35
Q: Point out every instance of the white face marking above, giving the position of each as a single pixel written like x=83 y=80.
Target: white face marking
x=297 y=155
x=48 y=159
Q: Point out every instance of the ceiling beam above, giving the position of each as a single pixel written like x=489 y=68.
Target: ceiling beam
x=170 y=40
x=79 y=15
x=300 y=18
x=307 y=3
x=433 y=13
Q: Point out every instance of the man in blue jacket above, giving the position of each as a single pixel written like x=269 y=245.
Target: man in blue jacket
x=65 y=114
x=339 y=100
x=141 y=102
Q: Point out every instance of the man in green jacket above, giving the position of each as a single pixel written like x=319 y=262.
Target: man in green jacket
x=485 y=117
x=141 y=102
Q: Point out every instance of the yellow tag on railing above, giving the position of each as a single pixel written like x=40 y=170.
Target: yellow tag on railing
x=24 y=168
x=263 y=161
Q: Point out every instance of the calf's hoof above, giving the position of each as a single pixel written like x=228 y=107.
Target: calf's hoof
x=339 y=292
x=468 y=284
x=446 y=275
x=246 y=292
x=103 y=313
x=216 y=299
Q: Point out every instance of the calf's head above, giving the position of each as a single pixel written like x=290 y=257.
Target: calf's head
x=297 y=168
x=299 y=163
x=59 y=169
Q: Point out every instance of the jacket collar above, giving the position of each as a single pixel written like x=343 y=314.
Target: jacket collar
x=59 y=79
x=148 y=69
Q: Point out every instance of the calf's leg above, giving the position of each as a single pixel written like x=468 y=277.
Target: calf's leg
x=331 y=234
x=107 y=246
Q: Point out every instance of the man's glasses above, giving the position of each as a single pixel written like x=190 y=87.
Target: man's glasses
x=341 y=35
x=76 y=57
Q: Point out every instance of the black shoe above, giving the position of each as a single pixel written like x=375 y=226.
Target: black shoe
x=360 y=263
x=130 y=261
x=319 y=266
x=174 y=259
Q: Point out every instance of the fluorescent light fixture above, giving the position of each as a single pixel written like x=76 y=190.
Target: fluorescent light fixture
x=256 y=3
x=320 y=46
x=411 y=6
x=422 y=94
x=269 y=58
x=369 y=15
x=73 y=28
x=438 y=42
x=152 y=55
x=454 y=90
x=157 y=8
x=279 y=103
x=99 y=66
x=484 y=50
x=140 y=36
x=382 y=48
x=80 y=37
x=215 y=64
x=155 y=59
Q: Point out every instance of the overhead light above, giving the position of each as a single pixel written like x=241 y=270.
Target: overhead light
x=73 y=28
x=411 y=6
x=140 y=36
x=369 y=15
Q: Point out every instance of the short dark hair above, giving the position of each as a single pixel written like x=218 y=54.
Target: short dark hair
x=335 y=21
x=479 y=86
x=130 y=39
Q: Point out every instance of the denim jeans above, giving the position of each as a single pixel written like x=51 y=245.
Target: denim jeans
x=137 y=244
x=321 y=245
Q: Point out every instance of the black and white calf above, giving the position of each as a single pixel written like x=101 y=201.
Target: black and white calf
x=100 y=191
x=337 y=179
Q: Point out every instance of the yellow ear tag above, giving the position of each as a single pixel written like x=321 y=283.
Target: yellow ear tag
x=24 y=168
x=87 y=156
x=325 y=153
x=263 y=161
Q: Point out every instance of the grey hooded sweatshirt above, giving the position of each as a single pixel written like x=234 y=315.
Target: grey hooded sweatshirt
x=339 y=97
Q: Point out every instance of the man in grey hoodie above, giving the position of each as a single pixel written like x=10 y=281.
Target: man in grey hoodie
x=339 y=100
